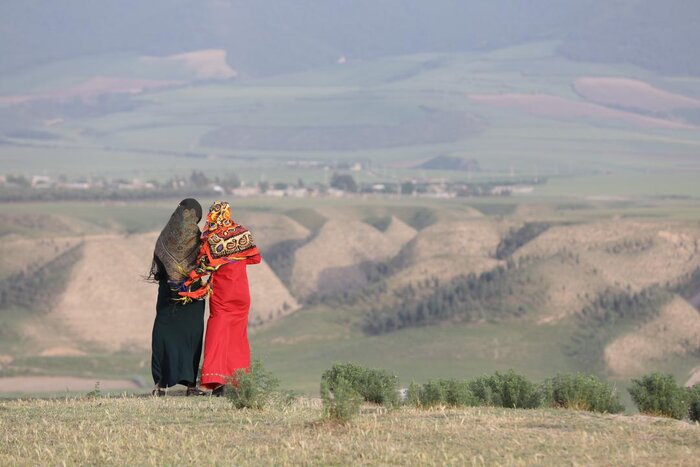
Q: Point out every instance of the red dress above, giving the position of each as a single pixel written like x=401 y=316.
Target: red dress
x=226 y=347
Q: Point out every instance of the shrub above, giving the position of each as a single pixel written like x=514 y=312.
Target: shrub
x=431 y=394
x=253 y=389
x=456 y=393
x=96 y=392
x=450 y=392
x=377 y=386
x=580 y=392
x=505 y=390
x=413 y=394
x=342 y=402
x=694 y=411
x=658 y=394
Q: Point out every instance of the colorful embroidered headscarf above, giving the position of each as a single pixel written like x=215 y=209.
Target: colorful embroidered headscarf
x=223 y=242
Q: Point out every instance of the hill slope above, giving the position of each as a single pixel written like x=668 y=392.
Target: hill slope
x=277 y=36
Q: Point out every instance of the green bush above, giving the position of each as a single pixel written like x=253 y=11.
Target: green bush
x=456 y=393
x=431 y=394
x=505 y=390
x=658 y=394
x=377 y=386
x=580 y=392
x=252 y=390
x=450 y=392
x=342 y=402
x=694 y=411
x=413 y=395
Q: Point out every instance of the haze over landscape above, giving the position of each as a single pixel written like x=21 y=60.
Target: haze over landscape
x=441 y=188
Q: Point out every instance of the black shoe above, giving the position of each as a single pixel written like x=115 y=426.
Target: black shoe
x=195 y=391
x=218 y=392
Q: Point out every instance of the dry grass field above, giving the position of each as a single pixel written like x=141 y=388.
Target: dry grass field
x=207 y=431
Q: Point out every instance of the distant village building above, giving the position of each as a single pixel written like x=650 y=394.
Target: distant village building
x=245 y=191
x=501 y=190
x=41 y=181
x=297 y=192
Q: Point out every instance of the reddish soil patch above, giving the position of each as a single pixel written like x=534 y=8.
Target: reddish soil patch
x=543 y=105
x=631 y=94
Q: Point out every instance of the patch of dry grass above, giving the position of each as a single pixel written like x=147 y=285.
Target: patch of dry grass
x=147 y=431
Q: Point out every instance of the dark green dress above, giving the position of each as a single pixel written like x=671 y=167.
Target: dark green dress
x=178 y=332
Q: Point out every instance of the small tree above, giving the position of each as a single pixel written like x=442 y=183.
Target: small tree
x=198 y=179
x=344 y=182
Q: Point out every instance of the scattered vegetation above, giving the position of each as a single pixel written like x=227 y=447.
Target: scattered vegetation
x=519 y=237
x=490 y=295
x=280 y=258
x=95 y=393
x=580 y=392
x=611 y=313
x=374 y=385
x=421 y=218
x=36 y=289
x=511 y=390
x=689 y=288
x=630 y=246
x=380 y=223
x=660 y=395
x=254 y=389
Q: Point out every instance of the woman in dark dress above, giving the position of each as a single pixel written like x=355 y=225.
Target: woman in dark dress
x=179 y=325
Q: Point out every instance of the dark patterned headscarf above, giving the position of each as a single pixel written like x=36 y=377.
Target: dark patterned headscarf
x=178 y=244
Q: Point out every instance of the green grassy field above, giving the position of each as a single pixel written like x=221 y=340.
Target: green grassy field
x=157 y=137
x=148 y=431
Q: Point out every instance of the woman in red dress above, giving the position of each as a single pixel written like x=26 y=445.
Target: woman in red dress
x=227 y=249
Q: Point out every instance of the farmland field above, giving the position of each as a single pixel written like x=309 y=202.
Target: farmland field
x=392 y=112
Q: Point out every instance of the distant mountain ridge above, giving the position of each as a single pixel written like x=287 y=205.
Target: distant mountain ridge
x=277 y=36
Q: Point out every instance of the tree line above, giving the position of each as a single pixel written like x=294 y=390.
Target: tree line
x=466 y=298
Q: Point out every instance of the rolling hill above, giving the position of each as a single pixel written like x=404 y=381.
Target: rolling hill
x=599 y=295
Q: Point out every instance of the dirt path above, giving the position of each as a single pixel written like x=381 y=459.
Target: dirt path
x=61 y=383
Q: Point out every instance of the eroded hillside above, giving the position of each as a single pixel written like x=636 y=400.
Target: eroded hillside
x=611 y=289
